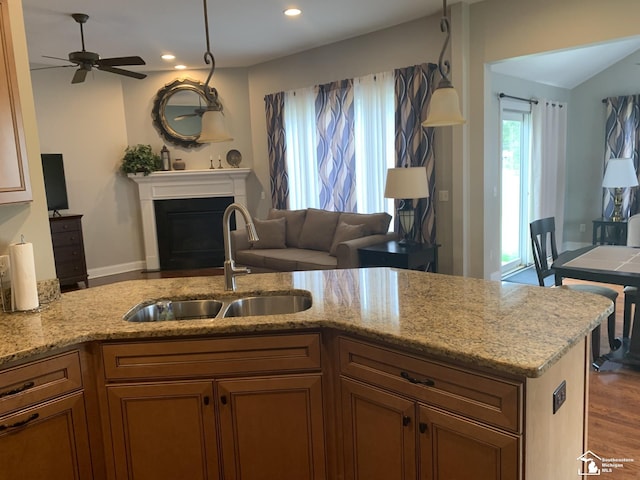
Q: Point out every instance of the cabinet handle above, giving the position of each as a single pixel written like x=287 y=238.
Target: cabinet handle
x=24 y=387
x=426 y=382
x=423 y=427
x=223 y=399
x=19 y=424
x=406 y=420
x=206 y=400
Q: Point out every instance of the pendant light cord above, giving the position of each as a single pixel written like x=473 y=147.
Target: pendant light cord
x=443 y=65
x=210 y=93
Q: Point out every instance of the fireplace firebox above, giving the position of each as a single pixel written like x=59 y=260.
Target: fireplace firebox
x=190 y=232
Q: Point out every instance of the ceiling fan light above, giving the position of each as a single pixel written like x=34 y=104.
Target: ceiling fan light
x=214 y=129
x=444 y=108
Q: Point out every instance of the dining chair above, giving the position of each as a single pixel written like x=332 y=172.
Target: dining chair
x=543 y=235
x=630 y=293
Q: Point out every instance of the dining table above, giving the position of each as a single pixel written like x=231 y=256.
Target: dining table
x=612 y=264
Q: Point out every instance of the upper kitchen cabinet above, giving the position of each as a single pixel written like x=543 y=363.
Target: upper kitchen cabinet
x=15 y=186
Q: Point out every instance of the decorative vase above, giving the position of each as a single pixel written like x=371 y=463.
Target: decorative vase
x=178 y=164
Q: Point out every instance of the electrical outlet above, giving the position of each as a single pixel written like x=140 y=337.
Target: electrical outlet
x=583 y=228
x=443 y=195
x=559 y=396
x=4 y=263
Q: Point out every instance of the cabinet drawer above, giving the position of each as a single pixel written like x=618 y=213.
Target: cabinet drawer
x=66 y=239
x=475 y=395
x=72 y=253
x=65 y=225
x=210 y=357
x=70 y=269
x=35 y=382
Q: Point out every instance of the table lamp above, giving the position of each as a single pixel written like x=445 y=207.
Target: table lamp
x=620 y=174
x=406 y=184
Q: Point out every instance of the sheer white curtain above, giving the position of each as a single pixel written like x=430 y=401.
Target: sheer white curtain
x=301 y=140
x=549 y=152
x=374 y=139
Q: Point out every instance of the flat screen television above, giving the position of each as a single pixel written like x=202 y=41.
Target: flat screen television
x=54 y=183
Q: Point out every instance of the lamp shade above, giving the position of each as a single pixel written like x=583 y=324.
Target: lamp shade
x=407 y=183
x=620 y=173
x=444 y=108
x=214 y=129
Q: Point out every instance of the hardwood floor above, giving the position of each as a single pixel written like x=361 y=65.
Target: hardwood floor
x=614 y=392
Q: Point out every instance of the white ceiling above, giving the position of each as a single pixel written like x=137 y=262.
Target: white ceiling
x=248 y=32
x=243 y=32
x=569 y=68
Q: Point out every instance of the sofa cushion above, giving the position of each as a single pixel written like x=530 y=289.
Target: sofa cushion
x=271 y=233
x=344 y=233
x=286 y=260
x=374 y=222
x=294 y=219
x=318 y=229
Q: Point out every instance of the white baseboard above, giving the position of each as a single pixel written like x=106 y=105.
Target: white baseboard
x=573 y=246
x=116 y=269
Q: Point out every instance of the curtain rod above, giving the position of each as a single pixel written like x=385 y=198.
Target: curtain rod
x=529 y=100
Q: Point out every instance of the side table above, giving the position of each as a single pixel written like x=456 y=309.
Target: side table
x=608 y=232
x=419 y=256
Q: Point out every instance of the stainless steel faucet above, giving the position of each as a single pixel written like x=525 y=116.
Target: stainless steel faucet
x=230 y=269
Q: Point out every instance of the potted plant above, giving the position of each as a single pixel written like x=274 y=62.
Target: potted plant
x=140 y=159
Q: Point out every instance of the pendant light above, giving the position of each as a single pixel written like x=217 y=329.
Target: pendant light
x=213 y=128
x=444 y=107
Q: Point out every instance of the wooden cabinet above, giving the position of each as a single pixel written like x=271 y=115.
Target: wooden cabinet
x=68 y=249
x=272 y=428
x=164 y=430
x=43 y=423
x=268 y=395
x=15 y=184
x=392 y=433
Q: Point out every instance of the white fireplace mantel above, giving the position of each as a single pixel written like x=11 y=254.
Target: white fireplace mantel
x=224 y=182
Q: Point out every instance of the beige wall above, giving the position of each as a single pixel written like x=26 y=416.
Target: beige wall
x=28 y=219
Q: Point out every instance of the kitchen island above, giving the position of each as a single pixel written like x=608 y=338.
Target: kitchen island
x=441 y=353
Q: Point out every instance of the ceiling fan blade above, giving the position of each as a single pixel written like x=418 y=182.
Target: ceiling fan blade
x=56 y=58
x=117 y=61
x=120 y=71
x=182 y=117
x=54 y=66
x=80 y=75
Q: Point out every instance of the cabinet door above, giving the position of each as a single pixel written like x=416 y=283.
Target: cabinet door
x=46 y=441
x=272 y=428
x=379 y=433
x=163 y=430
x=453 y=448
x=15 y=185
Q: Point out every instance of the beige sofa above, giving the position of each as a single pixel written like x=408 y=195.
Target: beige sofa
x=309 y=239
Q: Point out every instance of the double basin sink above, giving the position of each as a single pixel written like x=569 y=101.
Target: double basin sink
x=267 y=304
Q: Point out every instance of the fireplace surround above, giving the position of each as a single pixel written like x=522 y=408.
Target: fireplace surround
x=185 y=184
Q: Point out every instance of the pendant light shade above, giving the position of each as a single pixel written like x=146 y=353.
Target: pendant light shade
x=214 y=128
x=444 y=108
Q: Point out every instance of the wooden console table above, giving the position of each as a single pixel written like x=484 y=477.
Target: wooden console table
x=418 y=256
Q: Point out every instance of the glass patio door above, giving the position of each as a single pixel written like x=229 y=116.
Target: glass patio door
x=515 y=138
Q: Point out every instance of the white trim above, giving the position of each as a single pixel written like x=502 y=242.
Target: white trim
x=115 y=269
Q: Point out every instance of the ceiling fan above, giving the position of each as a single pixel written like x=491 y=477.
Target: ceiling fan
x=85 y=61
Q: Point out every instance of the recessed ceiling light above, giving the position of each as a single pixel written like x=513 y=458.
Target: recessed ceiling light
x=168 y=56
x=180 y=67
x=292 y=12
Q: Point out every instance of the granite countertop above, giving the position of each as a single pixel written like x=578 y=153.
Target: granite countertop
x=506 y=327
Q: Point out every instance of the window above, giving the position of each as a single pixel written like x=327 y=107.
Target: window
x=515 y=164
x=373 y=144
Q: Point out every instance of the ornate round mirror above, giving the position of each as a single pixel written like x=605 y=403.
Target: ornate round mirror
x=177 y=112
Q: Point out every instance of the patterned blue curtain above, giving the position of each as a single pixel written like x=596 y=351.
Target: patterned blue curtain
x=414 y=143
x=622 y=140
x=336 y=146
x=274 y=107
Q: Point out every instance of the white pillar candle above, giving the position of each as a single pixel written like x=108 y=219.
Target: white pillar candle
x=24 y=286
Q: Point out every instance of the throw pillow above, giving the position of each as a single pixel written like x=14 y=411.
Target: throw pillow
x=344 y=233
x=375 y=223
x=295 y=220
x=318 y=229
x=271 y=233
